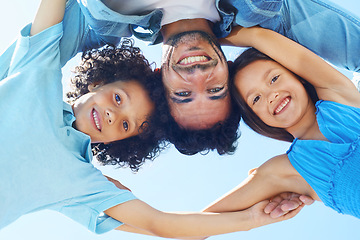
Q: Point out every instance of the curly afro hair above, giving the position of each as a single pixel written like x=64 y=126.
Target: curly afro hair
x=123 y=63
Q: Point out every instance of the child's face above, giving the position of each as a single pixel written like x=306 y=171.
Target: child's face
x=113 y=111
x=275 y=95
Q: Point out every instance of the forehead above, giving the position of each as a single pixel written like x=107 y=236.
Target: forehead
x=254 y=74
x=200 y=114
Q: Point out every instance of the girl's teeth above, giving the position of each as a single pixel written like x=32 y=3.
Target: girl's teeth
x=282 y=105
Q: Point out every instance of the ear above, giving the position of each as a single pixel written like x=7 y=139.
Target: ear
x=92 y=87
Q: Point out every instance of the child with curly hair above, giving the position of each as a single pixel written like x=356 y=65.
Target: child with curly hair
x=139 y=140
x=46 y=148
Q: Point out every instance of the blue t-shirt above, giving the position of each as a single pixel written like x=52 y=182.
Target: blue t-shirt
x=332 y=168
x=44 y=162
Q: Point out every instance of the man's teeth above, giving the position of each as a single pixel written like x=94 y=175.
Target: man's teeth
x=282 y=105
x=189 y=60
x=96 y=120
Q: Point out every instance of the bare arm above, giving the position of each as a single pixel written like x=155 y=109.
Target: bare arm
x=50 y=12
x=141 y=218
x=272 y=178
x=329 y=83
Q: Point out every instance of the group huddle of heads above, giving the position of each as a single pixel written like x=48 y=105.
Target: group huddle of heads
x=127 y=63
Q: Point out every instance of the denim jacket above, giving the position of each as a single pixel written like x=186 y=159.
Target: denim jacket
x=108 y=23
x=92 y=24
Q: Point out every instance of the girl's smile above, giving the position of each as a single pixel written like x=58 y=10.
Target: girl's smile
x=275 y=95
x=282 y=105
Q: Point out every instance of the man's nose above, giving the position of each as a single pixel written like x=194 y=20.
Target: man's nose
x=198 y=76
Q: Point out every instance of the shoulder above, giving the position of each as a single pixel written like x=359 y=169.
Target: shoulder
x=278 y=166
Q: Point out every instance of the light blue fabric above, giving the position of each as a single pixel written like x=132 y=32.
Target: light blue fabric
x=319 y=25
x=44 y=161
x=323 y=27
x=332 y=168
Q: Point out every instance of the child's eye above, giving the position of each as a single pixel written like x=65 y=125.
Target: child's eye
x=183 y=94
x=125 y=125
x=215 y=90
x=274 y=79
x=257 y=98
x=117 y=98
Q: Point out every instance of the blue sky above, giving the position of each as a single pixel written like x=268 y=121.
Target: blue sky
x=180 y=183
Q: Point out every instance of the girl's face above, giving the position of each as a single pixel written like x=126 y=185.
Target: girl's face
x=275 y=94
x=113 y=111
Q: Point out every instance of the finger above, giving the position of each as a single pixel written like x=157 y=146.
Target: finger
x=277 y=212
x=270 y=207
x=290 y=205
x=306 y=200
x=124 y=187
x=291 y=214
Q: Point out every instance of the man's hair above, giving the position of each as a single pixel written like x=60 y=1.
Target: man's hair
x=250 y=118
x=123 y=63
x=222 y=137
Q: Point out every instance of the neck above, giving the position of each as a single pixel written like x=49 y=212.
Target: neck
x=307 y=128
x=185 y=25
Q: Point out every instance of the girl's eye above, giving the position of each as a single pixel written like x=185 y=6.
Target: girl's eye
x=215 y=90
x=125 y=125
x=257 y=98
x=117 y=98
x=274 y=79
x=183 y=94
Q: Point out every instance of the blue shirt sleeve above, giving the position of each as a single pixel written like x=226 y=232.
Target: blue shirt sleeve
x=92 y=195
x=40 y=49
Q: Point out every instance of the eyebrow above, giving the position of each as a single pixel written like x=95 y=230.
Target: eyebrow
x=221 y=96
x=177 y=100
x=187 y=100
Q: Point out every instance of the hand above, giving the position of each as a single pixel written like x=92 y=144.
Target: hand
x=285 y=202
x=261 y=218
x=117 y=183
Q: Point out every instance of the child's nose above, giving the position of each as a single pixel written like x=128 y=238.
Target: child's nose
x=273 y=96
x=110 y=116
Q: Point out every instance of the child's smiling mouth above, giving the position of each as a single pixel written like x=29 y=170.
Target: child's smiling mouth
x=96 y=119
x=282 y=105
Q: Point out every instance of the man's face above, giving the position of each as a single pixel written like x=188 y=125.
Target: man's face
x=195 y=75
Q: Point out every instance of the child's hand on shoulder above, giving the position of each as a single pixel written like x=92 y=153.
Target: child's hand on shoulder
x=117 y=183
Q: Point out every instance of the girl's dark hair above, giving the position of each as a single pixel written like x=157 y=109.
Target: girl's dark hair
x=124 y=63
x=250 y=118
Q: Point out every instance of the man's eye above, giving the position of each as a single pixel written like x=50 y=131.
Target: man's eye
x=274 y=79
x=257 y=98
x=117 y=98
x=125 y=125
x=215 y=90
x=183 y=94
